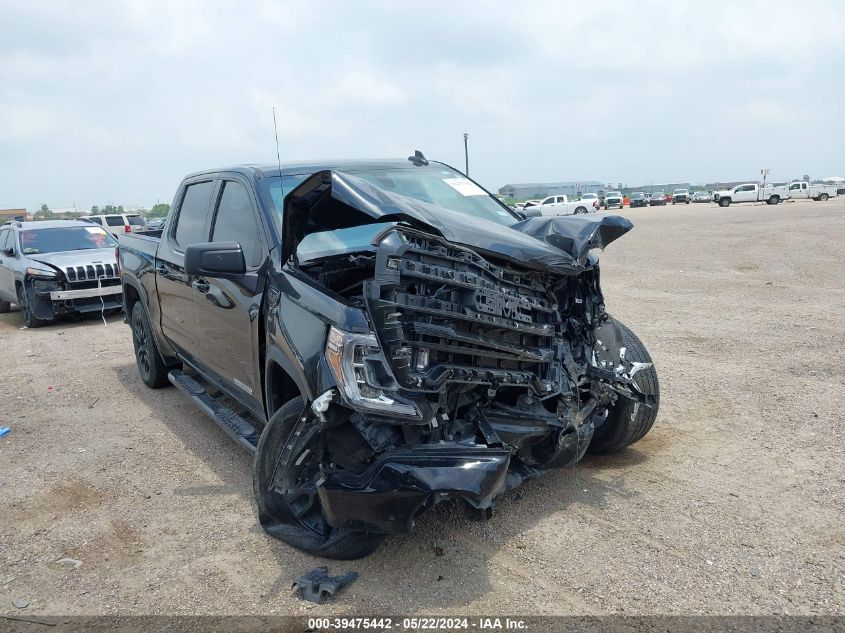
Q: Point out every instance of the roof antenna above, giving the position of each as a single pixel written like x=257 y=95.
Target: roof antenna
x=418 y=159
x=278 y=158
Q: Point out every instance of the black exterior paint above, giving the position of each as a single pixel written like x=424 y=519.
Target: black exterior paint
x=238 y=333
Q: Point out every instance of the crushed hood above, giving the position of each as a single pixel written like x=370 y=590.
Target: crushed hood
x=83 y=257
x=330 y=200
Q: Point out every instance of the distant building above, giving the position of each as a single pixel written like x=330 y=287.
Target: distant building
x=668 y=187
x=527 y=190
x=13 y=214
x=718 y=186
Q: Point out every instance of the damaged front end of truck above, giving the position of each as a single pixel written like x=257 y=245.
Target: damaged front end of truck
x=459 y=358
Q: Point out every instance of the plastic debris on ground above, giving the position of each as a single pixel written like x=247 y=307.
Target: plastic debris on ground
x=4 y=430
x=317 y=585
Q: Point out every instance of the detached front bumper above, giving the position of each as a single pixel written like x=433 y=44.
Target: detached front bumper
x=49 y=299
x=388 y=496
x=69 y=295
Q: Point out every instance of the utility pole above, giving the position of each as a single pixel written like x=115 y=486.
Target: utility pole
x=466 y=154
x=764 y=172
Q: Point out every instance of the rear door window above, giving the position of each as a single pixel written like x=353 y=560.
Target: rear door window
x=190 y=224
x=135 y=220
x=235 y=221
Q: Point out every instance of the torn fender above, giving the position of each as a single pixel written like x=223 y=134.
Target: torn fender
x=576 y=235
x=330 y=200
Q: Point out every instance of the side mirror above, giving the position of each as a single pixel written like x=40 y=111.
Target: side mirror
x=8 y=252
x=220 y=260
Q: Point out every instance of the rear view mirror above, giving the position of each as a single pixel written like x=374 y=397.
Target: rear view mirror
x=221 y=260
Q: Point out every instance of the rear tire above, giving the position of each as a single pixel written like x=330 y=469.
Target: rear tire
x=304 y=529
x=150 y=364
x=628 y=421
x=823 y=197
x=774 y=200
x=5 y=306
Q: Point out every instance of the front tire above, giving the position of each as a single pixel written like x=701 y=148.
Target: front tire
x=29 y=318
x=150 y=365
x=580 y=210
x=724 y=202
x=292 y=439
x=5 y=307
x=628 y=421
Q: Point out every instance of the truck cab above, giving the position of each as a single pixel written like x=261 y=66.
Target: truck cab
x=803 y=190
x=751 y=192
x=562 y=205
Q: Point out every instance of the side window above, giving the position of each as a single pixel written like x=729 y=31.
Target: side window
x=114 y=220
x=5 y=242
x=193 y=211
x=795 y=186
x=548 y=201
x=235 y=221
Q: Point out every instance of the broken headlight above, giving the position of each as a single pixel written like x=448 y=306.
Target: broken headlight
x=363 y=375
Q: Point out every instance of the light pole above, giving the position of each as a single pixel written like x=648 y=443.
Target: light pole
x=764 y=172
x=466 y=154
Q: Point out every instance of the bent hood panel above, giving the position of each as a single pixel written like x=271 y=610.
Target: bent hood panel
x=330 y=200
x=66 y=259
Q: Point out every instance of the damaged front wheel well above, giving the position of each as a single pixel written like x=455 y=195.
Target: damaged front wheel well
x=281 y=388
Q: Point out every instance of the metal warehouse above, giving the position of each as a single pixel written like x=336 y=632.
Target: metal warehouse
x=525 y=190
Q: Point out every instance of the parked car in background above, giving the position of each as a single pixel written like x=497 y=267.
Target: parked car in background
x=751 y=192
x=589 y=198
x=155 y=224
x=816 y=191
x=562 y=205
x=58 y=267
x=638 y=199
x=680 y=196
x=657 y=199
x=613 y=200
x=531 y=203
x=702 y=196
x=117 y=224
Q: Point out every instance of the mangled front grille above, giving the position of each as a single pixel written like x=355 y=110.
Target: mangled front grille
x=444 y=314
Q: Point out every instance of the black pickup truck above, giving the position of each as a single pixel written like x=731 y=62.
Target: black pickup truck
x=383 y=336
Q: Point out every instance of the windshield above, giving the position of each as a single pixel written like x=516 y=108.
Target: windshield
x=638 y=194
x=436 y=184
x=612 y=194
x=61 y=239
x=589 y=196
x=681 y=191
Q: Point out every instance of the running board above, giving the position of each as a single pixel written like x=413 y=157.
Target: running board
x=234 y=425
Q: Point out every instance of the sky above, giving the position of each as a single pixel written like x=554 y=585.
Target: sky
x=113 y=102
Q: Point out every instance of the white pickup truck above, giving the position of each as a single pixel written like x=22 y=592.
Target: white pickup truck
x=751 y=192
x=811 y=190
x=562 y=205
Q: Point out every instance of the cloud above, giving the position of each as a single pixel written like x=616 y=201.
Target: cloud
x=120 y=99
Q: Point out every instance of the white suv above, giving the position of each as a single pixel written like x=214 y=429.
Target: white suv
x=117 y=224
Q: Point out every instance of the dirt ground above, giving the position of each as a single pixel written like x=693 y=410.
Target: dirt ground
x=116 y=499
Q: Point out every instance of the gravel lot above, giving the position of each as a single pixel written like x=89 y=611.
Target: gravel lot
x=733 y=504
